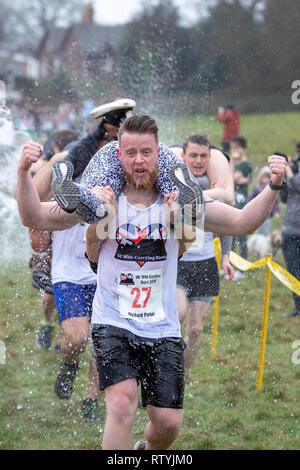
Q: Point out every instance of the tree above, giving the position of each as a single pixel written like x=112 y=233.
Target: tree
x=152 y=55
x=226 y=45
x=281 y=39
x=27 y=22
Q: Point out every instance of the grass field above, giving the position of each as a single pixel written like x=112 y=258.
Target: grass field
x=265 y=133
x=223 y=409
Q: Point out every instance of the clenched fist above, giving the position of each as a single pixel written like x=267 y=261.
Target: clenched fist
x=107 y=196
x=30 y=154
x=277 y=166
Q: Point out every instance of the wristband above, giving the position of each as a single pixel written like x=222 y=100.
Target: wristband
x=275 y=187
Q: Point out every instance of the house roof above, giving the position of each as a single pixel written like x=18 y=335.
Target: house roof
x=91 y=37
x=94 y=37
x=52 y=40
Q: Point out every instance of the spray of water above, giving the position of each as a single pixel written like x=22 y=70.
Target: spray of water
x=14 y=240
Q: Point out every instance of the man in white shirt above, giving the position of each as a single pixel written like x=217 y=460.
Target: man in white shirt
x=136 y=331
x=198 y=276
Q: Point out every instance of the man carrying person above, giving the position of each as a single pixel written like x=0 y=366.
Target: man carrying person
x=136 y=331
x=198 y=276
x=40 y=262
x=74 y=285
x=105 y=169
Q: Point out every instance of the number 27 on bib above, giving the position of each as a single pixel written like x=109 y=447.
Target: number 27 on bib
x=140 y=295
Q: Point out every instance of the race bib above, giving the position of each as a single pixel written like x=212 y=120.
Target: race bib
x=140 y=295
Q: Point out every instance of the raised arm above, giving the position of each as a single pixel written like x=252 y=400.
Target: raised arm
x=220 y=177
x=34 y=213
x=186 y=234
x=42 y=180
x=226 y=220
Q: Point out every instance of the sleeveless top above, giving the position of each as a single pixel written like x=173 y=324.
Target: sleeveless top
x=206 y=251
x=137 y=271
x=69 y=263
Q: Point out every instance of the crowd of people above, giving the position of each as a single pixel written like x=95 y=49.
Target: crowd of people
x=43 y=122
x=122 y=228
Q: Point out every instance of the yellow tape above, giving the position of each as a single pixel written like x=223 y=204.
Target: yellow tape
x=217 y=248
x=262 y=351
x=243 y=264
x=285 y=277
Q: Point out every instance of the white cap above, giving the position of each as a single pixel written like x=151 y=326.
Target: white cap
x=124 y=103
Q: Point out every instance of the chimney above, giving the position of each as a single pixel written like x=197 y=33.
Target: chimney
x=88 y=14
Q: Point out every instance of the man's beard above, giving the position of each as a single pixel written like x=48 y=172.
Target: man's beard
x=143 y=182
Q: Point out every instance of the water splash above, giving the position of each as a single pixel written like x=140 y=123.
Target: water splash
x=7 y=138
x=14 y=240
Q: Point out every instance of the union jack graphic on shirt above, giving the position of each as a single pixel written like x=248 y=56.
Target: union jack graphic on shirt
x=141 y=244
x=126 y=279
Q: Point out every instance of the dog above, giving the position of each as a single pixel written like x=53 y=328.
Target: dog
x=276 y=241
x=259 y=246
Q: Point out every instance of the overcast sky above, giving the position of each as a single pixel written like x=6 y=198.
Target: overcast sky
x=121 y=11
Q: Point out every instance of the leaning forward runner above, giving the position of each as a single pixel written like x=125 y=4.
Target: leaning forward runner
x=136 y=330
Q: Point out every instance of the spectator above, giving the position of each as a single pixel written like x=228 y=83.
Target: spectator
x=65 y=118
x=242 y=174
x=263 y=181
x=46 y=124
x=29 y=119
x=230 y=116
x=290 y=195
x=294 y=164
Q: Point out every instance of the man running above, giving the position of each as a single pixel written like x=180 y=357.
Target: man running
x=198 y=276
x=136 y=331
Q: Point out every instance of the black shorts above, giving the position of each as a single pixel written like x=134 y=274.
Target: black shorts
x=41 y=276
x=157 y=364
x=199 y=279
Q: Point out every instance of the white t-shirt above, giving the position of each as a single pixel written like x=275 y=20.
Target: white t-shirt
x=207 y=251
x=69 y=263
x=137 y=271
